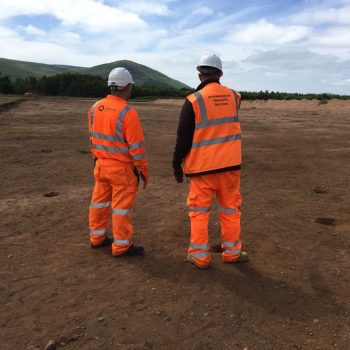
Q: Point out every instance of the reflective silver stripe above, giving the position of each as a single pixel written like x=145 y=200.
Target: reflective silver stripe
x=204 y=116
x=230 y=244
x=216 y=140
x=199 y=246
x=138 y=156
x=198 y=209
x=233 y=252
x=201 y=104
x=226 y=210
x=101 y=136
x=100 y=232
x=236 y=98
x=92 y=115
x=121 y=241
x=109 y=149
x=121 y=211
x=121 y=117
x=136 y=145
x=199 y=255
x=100 y=205
x=218 y=121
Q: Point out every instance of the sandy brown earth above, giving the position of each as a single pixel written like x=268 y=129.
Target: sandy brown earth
x=294 y=294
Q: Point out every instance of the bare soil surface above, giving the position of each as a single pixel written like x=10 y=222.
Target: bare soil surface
x=294 y=293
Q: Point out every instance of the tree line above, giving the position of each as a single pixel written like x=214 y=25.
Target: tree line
x=85 y=85
x=79 y=85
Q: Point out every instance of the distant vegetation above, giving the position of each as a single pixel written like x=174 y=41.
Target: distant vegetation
x=81 y=85
x=271 y=95
x=87 y=85
x=142 y=75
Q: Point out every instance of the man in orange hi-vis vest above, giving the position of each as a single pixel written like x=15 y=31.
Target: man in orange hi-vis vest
x=208 y=151
x=118 y=147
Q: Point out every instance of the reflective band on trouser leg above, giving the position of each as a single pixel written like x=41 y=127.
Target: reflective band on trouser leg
x=98 y=232
x=99 y=213
x=198 y=206
x=122 y=230
x=229 y=215
x=118 y=211
x=200 y=253
x=199 y=248
x=97 y=236
x=98 y=221
x=231 y=250
x=227 y=210
x=198 y=209
x=100 y=205
x=122 y=210
x=230 y=230
x=122 y=242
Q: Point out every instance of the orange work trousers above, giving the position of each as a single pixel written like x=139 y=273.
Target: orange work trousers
x=226 y=186
x=115 y=191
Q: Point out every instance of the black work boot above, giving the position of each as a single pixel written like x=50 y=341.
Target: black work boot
x=107 y=242
x=133 y=250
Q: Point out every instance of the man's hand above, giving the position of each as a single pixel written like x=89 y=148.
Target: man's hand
x=179 y=175
x=144 y=177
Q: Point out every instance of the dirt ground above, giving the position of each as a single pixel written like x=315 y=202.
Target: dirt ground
x=294 y=294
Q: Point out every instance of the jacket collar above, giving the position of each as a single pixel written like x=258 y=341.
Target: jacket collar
x=206 y=82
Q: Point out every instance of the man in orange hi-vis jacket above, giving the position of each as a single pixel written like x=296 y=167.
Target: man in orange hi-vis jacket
x=208 y=151
x=117 y=145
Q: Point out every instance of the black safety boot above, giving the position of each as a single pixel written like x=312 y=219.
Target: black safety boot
x=243 y=258
x=107 y=242
x=133 y=250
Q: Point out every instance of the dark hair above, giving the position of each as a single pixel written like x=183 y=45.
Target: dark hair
x=208 y=70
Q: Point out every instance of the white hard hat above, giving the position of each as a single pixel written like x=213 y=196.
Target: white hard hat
x=120 y=77
x=210 y=60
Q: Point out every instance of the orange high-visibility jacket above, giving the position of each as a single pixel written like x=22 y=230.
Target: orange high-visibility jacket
x=116 y=132
x=217 y=136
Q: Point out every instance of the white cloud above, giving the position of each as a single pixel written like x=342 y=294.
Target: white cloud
x=6 y=33
x=345 y=82
x=146 y=8
x=297 y=61
x=32 y=30
x=321 y=15
x=90 y=15
x=266 y=33
x=339 y=36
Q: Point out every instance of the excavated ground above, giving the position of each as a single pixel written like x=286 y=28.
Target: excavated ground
x=294 y=294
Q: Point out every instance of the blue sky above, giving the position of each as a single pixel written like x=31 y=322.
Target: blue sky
x=301 y=45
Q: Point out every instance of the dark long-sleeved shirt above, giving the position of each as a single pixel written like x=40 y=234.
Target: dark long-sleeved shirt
x=185 y=131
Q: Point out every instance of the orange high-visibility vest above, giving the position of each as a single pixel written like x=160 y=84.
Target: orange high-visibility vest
x=217 y=137
x=110 y=138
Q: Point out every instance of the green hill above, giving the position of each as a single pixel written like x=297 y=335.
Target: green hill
x=142 y=75
x=21 y=69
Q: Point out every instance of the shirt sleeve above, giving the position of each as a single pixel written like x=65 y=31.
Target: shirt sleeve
x=133 y=134
x=185 y=131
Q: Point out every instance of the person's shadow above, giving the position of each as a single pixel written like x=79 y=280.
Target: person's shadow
x=277 y=297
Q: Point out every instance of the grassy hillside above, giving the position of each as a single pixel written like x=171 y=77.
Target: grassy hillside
x=21 y=69
x=142 y=75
